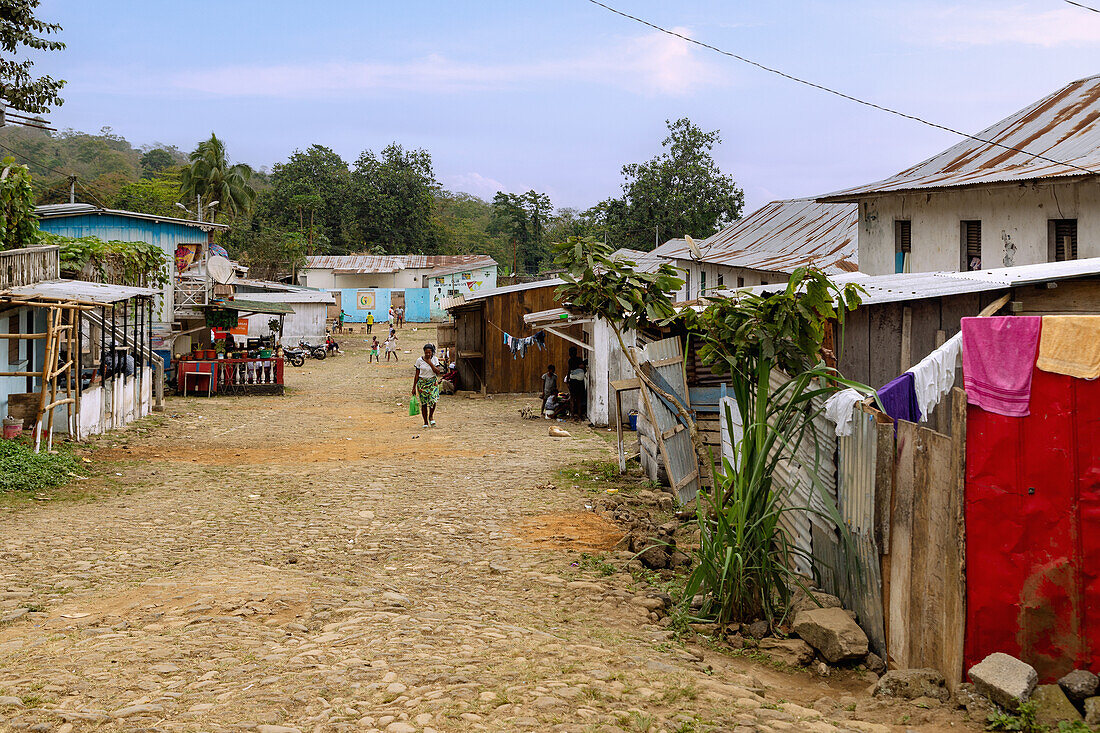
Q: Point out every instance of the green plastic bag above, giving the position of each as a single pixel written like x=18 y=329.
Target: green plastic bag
x=414 y=406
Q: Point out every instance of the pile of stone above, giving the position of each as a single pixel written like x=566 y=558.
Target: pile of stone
x=1003 y=683
x=819 y=634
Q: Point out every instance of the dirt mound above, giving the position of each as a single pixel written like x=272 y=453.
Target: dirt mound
x=572 y=531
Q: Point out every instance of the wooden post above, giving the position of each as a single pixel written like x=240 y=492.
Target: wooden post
x=45 y=376
x=906 y=338
x=70 y=358
x=619 y=430
x=955 y=572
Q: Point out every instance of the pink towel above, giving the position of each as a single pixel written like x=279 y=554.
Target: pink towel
x=998 y=360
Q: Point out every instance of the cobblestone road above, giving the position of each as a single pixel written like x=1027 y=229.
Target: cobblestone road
x=316 y=562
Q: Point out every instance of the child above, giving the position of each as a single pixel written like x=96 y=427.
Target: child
x=549 y=384
x=391 y=346
x=373 y=351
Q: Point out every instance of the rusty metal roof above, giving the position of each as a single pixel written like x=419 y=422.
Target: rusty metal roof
x=781 y=237
x=1065 y=126
x=371 y=264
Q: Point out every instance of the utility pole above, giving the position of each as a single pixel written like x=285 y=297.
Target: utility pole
x=656 y=236
x=72 y=189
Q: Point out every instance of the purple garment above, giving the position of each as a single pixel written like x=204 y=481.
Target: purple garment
x=899 y=399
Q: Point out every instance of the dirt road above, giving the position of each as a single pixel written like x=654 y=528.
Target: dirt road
x=316 y=562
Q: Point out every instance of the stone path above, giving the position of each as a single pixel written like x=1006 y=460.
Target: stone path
x=315 y=562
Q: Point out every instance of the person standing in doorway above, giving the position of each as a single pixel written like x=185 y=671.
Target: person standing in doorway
x=576 y=379
x=370 y=322
x=426 y=383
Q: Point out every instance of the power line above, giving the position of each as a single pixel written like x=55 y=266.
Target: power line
x=35 y=162
x=834 y=92
x=1086 y=7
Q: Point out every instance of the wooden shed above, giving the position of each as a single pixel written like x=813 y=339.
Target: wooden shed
x=480 y=322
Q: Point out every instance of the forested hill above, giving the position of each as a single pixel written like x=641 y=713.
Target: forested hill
x=387 y=201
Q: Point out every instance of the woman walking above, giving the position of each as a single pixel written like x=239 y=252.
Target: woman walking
x=426 y=383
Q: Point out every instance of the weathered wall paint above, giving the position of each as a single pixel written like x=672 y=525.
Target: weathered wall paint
x=454 y=284
x=1016 y=216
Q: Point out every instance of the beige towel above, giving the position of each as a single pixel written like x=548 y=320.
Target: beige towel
x=1070 y=345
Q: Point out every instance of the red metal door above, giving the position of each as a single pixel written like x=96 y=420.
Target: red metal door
x=1031 y=484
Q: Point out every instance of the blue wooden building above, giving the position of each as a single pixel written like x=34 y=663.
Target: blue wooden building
x=166 y=232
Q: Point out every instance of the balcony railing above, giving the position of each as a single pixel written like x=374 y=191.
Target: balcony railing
x=191 y=294
x=29 y=265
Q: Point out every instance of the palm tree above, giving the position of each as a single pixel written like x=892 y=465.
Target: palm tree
x=212 y=178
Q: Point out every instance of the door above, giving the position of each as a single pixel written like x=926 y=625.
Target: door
x=397 y=298
x=1032 y=513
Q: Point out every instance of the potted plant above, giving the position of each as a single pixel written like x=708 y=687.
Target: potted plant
x=219 y=348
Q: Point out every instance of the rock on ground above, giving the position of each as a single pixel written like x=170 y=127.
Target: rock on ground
x=809 y=600
x=977 y=705
x=1052 y=706
x=1004 y=679
x=909 y=684
x=832 y=632
x=1092 y=711
x=1079 y=684
x=793 y=652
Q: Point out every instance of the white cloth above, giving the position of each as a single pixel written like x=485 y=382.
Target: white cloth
x=840 y=408
x=425 y=369
x=934 y=375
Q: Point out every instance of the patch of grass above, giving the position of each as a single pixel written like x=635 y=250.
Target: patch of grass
x=24 y=471
x=639 y=722
x=676 y=693
x=1024 y=720
x=597 y=476
x=597 y=564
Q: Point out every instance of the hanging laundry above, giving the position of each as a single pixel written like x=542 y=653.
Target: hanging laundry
x=840 y=409
x=899 y=399
x=1070 y=345
x=998 y=361
x=519 y=346
x=934 y=375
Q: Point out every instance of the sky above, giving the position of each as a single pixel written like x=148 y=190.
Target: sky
x=558 y=95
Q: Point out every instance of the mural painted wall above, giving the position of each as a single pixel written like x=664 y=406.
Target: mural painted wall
x=454 y=284
x=358 y=302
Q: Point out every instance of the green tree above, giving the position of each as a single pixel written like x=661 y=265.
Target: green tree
x=19 y=29
x=156 y=196
x=520 y=220
x=211 y=178
x=681 y=191
x=393 y=196
x=154 y=161
x=323 y=178
x=18 y=224
x=269 y=252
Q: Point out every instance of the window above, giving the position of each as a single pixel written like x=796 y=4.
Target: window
x=740 y=282
x=1063 y=240
x=971 y=246
x=687 y=284
x=721 y=280
x=702 y=281
x=903 y=244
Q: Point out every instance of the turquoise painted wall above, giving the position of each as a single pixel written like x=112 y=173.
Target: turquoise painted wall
x=416 y=304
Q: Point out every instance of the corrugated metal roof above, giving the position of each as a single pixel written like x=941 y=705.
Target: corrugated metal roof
x=60 y=211
x=480 y=294
x=79 y=290
x=919 y=285
x=1064 y=126
x=643 y=261
x=298 y=296
x=781 y=237
x=372 y=264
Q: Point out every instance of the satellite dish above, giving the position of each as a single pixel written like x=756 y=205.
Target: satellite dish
x=698 y=253
x=220 y=269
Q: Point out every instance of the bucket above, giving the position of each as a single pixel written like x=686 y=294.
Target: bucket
x=13 y=428
x=633 y=417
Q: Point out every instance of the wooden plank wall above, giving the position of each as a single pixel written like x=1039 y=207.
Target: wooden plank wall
x=470 y=338
x=923 y=564
x=503 y=374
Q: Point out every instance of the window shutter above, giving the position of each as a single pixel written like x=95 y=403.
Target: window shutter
x=1065 y=240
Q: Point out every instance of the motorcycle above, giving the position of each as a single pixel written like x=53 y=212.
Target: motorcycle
x=295 y=356
x=316 y=352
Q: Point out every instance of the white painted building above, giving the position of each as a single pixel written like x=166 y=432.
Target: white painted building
x=400 y=272
x=981 y=205
x=766 y=247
